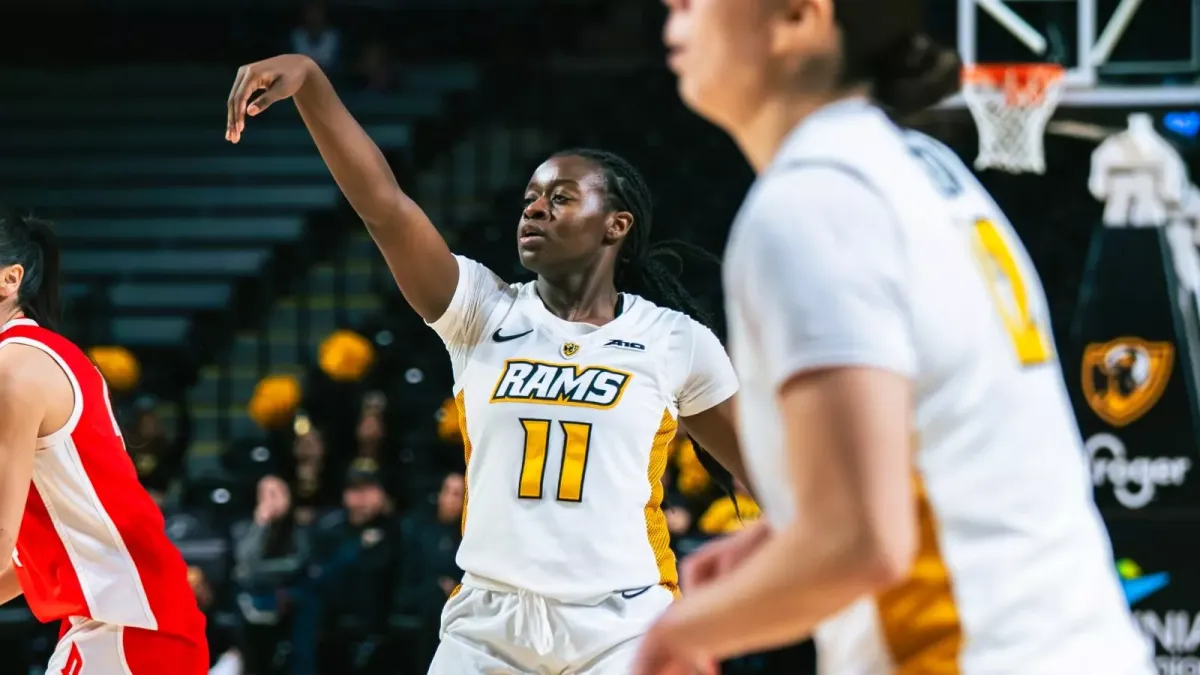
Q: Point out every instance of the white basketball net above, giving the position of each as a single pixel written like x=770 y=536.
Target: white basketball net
x=1011 y=106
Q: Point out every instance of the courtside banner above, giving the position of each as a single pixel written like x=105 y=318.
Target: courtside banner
x=1130 y=368
x=1161 y=582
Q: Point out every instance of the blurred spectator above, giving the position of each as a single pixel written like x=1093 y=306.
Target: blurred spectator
x=375 y=69
x=372 y=441
x=315 y=38
x=371 y=433
x=679 y=520
x=693 y=482
x=270 y=554
x=224 y=654
x=158 y=459
x=312 y=489
x=723 y=517
x=429 y=573
x=356 y=551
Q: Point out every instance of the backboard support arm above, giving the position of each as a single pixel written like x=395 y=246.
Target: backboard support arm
x=1097 y=41
x=1093 y=51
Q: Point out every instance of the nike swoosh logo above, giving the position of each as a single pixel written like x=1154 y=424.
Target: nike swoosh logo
x=1141 y=588
x=497 y=337
x=631 y=594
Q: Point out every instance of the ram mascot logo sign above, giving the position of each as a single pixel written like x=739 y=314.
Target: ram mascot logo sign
x=1124 y=378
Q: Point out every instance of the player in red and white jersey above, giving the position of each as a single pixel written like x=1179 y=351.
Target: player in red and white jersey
x=83 y=541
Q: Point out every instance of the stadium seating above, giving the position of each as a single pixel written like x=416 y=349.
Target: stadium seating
x=184 y=263
x=194 y=295
x=162 y=222
x=183 y=230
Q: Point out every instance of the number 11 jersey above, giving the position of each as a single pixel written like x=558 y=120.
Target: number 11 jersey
x=566 y=428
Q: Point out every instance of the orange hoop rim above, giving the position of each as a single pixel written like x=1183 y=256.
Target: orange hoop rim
x=1022 y=83
x=997 y=73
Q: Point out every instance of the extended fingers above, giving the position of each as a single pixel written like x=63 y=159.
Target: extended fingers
x=233 y=112
x=249 y=86
x=249 y=81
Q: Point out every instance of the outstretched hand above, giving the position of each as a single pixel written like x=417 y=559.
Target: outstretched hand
x=658 y=654
x=277 y=78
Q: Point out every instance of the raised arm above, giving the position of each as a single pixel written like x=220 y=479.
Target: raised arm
x=416 y=253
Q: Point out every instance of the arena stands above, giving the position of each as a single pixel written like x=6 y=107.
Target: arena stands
x=213 y=277
x=227 y=272
x=165 y=229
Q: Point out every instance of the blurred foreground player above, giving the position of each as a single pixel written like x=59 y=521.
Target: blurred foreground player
x=83 y=541
x=904 y=418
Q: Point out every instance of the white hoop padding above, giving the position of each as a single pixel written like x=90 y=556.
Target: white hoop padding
x=1141 y=178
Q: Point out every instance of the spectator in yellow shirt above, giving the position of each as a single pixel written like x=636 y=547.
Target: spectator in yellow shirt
x=722 y=518
x=693 y=481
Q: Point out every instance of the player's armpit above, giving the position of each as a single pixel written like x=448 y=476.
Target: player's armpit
x=849 y=435
x=715 y=430
x=10 y=586
x=26 y=376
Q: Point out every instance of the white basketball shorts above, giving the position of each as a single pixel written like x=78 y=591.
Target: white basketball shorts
x=489 y=629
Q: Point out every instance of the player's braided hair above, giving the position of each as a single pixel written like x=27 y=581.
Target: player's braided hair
x=645 y=268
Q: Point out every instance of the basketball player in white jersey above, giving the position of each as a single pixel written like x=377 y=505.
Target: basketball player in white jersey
x=904 y=417
x=569 y=392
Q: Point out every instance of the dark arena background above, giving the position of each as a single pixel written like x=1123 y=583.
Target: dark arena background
x=248 y=328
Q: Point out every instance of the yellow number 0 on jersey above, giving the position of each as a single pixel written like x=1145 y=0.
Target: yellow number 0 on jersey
x=1011 y=294
x=577 y=441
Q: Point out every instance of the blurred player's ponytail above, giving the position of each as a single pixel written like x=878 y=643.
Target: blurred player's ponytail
x=885 y=46
x=646 y=269
x=32 y=244
x=915 y=75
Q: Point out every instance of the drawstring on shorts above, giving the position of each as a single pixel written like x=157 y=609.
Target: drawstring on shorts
x=534 y=621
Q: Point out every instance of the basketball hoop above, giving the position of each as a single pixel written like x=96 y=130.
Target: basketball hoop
x=1011 y=104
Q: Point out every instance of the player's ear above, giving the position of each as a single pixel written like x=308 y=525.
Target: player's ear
x=617 y=226
x=10 y=280
x=802 y=28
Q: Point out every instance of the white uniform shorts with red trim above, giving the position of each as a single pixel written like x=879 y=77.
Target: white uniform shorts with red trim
x=93 y=648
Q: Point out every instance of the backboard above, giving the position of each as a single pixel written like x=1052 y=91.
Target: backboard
x=1118 y=53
